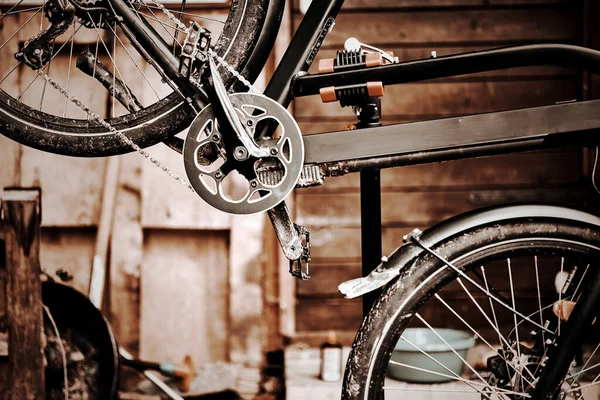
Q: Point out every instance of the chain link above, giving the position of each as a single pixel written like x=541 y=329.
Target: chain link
x=220 y=60
x=113 y=130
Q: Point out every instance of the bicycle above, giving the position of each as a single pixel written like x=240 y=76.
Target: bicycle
x=471 y=255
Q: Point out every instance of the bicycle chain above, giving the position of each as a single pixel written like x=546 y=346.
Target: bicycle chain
x=220 y=61
x=112 y=129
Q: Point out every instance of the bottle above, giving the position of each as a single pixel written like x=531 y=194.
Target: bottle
x=331 y=359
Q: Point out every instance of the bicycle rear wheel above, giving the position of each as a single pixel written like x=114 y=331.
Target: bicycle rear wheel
x=501 y=310
x=34 y=114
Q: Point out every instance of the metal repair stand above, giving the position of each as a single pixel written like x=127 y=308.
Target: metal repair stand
x=22 y=370
x=369 y=115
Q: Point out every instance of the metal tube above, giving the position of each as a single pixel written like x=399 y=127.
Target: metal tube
x=560 y=55
x=305 y=44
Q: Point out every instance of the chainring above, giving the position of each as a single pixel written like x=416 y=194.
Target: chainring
x=262 y=182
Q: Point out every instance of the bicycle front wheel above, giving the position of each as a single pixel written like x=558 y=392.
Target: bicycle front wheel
x=483 y=333
x=36 y=115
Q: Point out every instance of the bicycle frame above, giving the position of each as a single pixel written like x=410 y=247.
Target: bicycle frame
x=409 y=143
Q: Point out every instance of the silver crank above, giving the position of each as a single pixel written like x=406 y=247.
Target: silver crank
x=263 y=181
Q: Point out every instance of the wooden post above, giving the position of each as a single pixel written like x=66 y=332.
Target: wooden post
x=20 y=227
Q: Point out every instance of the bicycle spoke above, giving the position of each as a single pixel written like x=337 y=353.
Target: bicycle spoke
x=454 y=351
x=164 y=25
x=579 y=283
x=584 y=370
x=134 y=62
x=196 y=16
x=476 y=333
x=539 y=296
x=435 y=361
x=114 y=61
x=475 y=383
x=449 y=264
x=512 y=296
x=69 y=70
x=46 y=83
x=181 y=10
x=495 y=327
x=18 y=12
x=12 y=8
x=562 y=265
x=10 y=72
x=587 y=387
x=46 y=66
x=21 y=28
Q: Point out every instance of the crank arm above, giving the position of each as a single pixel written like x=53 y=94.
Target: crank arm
x=293 y=239
x=224 y=104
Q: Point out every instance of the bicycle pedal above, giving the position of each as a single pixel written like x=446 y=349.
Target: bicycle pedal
x=300 y=268
x=194 y=52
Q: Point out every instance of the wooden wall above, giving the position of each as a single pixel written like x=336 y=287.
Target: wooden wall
x=417 y=197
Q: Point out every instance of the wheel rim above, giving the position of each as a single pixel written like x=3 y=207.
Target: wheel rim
x=18 y=81
x=476 y=381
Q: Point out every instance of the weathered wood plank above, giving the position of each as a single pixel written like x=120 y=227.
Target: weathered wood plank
x=331 y=314
x=429 y=99
x=420 y=208
x=21 y=211
x=558 y=23
x=184 y=296
x=167 y=204
x=10 y=154
x=70 y=249
x=339 y=244
x=71 y=187
x=245 y=289
x=526 y=169
x=126 y=249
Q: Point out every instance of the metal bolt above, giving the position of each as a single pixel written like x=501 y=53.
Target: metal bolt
x=215 y=138
x=37 y=52
x=274 y=151
x=240 y=153
x=253 y=184
x=249 y=122
x=218 y=175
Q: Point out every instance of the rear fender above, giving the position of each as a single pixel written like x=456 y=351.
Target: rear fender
x=391 y=266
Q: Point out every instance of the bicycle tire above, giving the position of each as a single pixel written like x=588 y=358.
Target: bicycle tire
x=426 y=275
x=146 y=127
